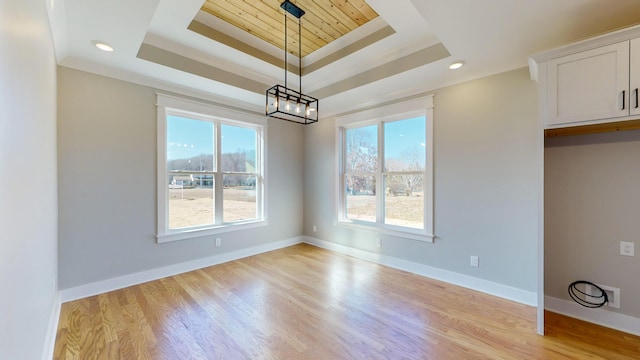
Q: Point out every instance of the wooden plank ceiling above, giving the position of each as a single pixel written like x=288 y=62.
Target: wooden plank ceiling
x=324 y=21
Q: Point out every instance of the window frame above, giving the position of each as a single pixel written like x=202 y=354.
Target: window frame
x=170 y=105
x=422 y=106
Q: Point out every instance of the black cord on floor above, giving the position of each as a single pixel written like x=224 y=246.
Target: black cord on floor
x=573 y=292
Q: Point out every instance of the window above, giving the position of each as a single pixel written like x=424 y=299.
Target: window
x=210 y=169
x=385 y=164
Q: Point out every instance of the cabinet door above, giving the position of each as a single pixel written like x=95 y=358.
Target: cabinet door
x=634 y=82
x=590 y=85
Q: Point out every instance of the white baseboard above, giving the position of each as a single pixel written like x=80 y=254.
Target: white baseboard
x=124 y=281
x=600 y=316
x=489 y=287
x=50 y=340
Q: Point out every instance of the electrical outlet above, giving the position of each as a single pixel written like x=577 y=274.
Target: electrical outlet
x=474 y=261
x=315 y=228
x=613 y=294
x=218 y=241
x=379 y=242
x=626 y=248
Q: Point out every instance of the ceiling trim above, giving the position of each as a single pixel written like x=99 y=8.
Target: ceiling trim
x=215 y=35
x=412 y=61
x=218 y=36
x=588 y=44
x=182 y=63
x=59 y=31
x=348 y=50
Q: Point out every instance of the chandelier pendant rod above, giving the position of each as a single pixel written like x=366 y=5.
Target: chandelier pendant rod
x=286 y=40
x=299 y=56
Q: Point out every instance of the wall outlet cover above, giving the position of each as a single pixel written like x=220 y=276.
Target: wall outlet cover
x=627 y=248
x=474 y=261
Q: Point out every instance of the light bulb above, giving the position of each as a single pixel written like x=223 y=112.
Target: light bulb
x=103 y=46
x=456 y=65
x=298 y=108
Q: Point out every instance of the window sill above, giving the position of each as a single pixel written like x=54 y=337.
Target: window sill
x=200 y=232
x=387 y=230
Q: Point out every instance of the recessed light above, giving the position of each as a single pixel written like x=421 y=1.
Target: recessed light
x=456 y=65
x=103 y=46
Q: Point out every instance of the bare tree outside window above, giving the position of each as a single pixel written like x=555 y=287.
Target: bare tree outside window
x=361 y=157
x=409 y=161
x=361 y=163
x=404 y=166
x=386 y=169
x=404 y=155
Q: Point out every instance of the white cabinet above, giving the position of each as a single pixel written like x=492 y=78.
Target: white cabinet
x=590 y=82
x=589 y=85
x=634 y=77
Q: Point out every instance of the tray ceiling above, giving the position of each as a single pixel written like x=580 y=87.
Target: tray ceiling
x=405 y=50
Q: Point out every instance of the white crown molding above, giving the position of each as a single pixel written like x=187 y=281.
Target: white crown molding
x=587 y=44
x=58 y=25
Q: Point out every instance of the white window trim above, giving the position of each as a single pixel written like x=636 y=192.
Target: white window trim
x=167 y=104
x=406 y=109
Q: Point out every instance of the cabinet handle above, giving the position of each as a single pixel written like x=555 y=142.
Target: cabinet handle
x=624 y=96
x=636 y=97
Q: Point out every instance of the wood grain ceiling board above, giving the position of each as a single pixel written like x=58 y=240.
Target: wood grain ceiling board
x=324 y=20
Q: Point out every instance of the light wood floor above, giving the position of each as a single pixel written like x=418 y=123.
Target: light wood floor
x=307 y=303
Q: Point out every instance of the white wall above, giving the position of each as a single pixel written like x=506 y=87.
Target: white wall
x=107 y=171
x=592 y=203
x=28 y=197
x=486 y=184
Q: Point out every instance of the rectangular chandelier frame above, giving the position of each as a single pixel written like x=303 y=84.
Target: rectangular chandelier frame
x=288 y=104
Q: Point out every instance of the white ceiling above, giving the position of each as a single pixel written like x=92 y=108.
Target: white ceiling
x=491 y=36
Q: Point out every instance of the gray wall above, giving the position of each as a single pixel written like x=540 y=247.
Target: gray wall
x=591 y=204
x=107 y=174
x=485 y=190
x=28 y=198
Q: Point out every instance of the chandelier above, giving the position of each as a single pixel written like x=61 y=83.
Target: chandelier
x=283 y=102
